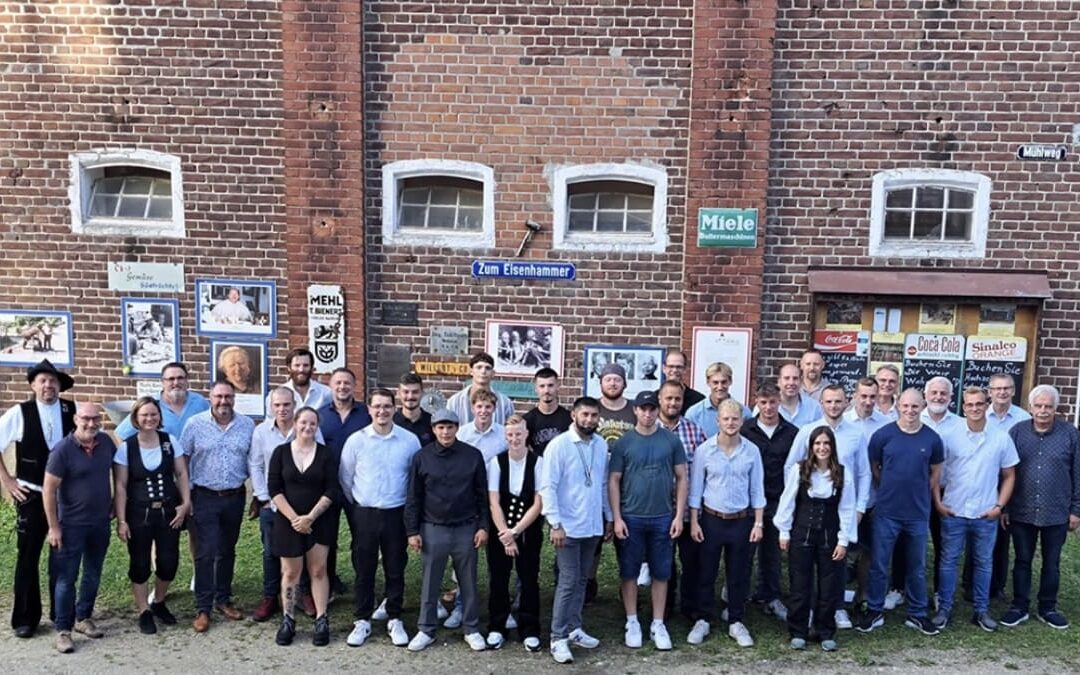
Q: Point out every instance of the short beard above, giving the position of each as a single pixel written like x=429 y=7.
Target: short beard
x=937 y=408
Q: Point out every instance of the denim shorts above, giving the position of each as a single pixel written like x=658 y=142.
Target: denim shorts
x=650 y=542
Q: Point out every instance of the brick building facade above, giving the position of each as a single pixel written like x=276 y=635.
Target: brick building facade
x=285 y=117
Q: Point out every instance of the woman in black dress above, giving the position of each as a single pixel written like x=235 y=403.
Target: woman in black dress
x=303 y=484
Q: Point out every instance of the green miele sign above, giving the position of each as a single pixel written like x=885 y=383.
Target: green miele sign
x=736 y=228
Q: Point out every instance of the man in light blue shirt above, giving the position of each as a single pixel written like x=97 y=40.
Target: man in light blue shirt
x=483 y=433
x=976 y=457
x=1003 y=412
x=727 y=512
x=863 y=411
x=178 y=403
x=374 y=475
x=795 y=406
x=217 y=443
x=482 y=366
x=573 y=488
x=306 y=390
x=703 y=413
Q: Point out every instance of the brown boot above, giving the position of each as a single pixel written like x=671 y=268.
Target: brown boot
x=201 y=623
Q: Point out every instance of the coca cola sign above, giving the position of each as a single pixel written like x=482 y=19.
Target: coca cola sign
x=841 y=341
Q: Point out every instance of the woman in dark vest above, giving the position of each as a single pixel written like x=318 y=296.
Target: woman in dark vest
x=816 y=520
x=152 y=499
x=516 y=537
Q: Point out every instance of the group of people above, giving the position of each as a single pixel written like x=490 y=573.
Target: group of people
x=849 y=489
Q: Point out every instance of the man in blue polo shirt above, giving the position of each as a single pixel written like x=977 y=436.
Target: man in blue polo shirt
x=178 y=403
x=905 y=457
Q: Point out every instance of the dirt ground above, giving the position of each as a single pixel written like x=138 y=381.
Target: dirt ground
x=247 y=647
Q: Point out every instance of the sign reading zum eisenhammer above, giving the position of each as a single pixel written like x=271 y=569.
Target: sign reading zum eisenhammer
x=736 y=228
x=513 y=269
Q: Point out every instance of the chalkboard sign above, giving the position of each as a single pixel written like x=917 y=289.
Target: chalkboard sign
x=917 y=372
x=977 y=374
x=844 y=368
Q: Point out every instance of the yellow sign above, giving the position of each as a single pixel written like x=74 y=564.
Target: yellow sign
x=424 y=367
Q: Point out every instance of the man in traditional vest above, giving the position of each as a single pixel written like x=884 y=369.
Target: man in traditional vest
x=35 y=426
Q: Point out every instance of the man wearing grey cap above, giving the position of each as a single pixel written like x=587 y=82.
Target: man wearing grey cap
x=446 y=516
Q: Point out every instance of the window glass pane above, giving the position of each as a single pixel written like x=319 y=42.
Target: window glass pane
x=160 y=208
x=414 y=195
x=927 y=225
x=132 y=207
x=472 y=198
x=639 y=221
x=586 y=201
x=639 y=202
x=581 y=221
x=108 y=186
x=103 y=205
x=930 y=198
x=137 y=186
x=612 y=201
x=441 y=217
x=898 y=199
x=609 y=221
x=961 y=199
x=412 y=216
x=958 y=226
x=470 y=219
x=897 y=224
x=161 y=188
x=444 y=195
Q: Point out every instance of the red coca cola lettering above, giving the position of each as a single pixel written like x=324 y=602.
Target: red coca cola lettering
x=840 y=339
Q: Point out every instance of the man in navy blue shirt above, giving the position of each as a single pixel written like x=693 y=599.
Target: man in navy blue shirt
x=906 y=458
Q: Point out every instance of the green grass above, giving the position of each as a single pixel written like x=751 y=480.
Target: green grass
x=604 y=618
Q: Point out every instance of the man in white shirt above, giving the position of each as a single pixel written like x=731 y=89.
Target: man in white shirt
x=482 y=366
x=374 y=475
x=483 y=433
x=888 y=381
x=574 y=495
x=795 y=406
x=231 y=310
x=306 y=390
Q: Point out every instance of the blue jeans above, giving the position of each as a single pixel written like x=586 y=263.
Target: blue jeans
x=271 y=563
x=86 y=545
x=955 y=532
x=886 y=532
x=1053 y=539
x=649 y=541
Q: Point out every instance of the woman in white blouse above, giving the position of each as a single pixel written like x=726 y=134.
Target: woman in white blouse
x=816 y=520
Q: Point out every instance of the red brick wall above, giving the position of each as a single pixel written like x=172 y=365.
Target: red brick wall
x=864 y=87
x=200 y=80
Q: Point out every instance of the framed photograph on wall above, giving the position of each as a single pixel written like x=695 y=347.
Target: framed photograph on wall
x=242 y=307
x=521 y=347
x=729 y=345
x=643 y=366
x=150 y=335
x=27 y=336
x=243 y=364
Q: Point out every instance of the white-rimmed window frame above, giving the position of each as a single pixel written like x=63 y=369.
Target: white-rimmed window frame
x=393 y=175
x=885 y=182
x=654 y=241
x=86 y=167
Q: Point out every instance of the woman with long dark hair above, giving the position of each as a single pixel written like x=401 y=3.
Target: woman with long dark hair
x=816 y=520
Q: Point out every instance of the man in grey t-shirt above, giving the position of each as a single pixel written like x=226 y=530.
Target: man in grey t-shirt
x=645 y=462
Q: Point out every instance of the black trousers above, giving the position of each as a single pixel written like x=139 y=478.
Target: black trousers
x=30 y=529
x=899 y=559
x=810 y=560
x=527 y=564
x=375 y=530
x=150 y=531
x=727 y=540
x=683 y=583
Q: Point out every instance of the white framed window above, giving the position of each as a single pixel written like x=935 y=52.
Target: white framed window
x=432 y=202
x=929 y=213
x=610 y=207
x=135 y=193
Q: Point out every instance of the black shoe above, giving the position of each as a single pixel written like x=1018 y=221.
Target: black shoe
x=321 y=636
x=922 y=624
x=591 y=590
x=146 y=623
x=1054 y=619
x=287 y=631
x=870 y=621
x=25 y=631
x=1013 y=617
x=161 y=611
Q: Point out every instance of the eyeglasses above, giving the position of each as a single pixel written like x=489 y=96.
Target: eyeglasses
x=1002 y=388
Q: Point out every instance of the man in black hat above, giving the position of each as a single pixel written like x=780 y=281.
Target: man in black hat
x=35 y=426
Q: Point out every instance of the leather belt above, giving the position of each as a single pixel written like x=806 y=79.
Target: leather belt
x=222 y=493
x=725 y=516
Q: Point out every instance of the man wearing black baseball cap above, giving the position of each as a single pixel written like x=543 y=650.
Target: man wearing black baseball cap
x=34 y=426
x=645 y=462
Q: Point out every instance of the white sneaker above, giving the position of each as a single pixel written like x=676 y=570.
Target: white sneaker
x=495 y=640
x=420 y=642
x=643 y=577
x=843 y=621
x=560 y=651
x=454 y=620
x=893 y=599
x=742 y=636
x=532 y=644
x=777 y=609
x=511 y=622
x=633 y=635
x=660 y=638
x=398 y=635
x=699 y=632
x=476 y=642
x=580 y=638
x=380 y=612
x=441 y=612
x=360 y=632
